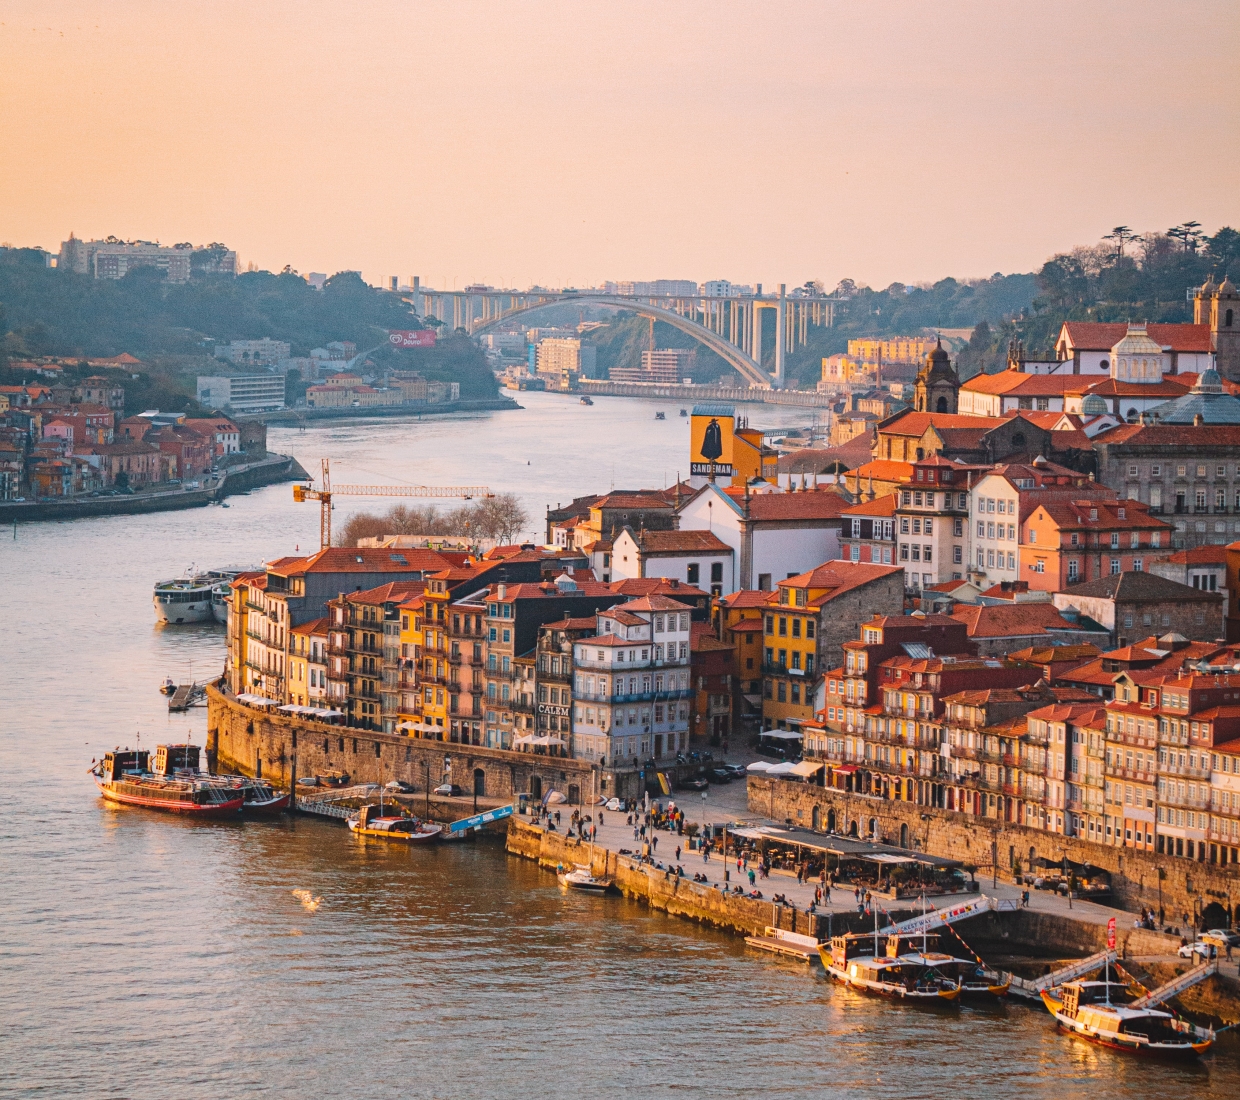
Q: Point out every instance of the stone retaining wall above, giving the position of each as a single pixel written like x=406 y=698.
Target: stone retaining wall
x=1188 y=886
x=279 y=747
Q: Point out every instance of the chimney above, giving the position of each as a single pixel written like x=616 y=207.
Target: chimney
x=501 y=591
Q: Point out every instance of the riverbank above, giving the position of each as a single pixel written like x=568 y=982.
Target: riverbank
x=384 y=412
x=237 y=479
x=739 y=395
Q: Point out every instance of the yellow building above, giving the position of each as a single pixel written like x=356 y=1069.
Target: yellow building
x=895 y=349
x=790 y=652
x=307 y=664
x=424 y=671
x=739 y=620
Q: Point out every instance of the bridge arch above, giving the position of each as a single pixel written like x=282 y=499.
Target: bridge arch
x=735 y=357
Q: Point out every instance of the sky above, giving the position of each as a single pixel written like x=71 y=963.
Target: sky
x=563 y=144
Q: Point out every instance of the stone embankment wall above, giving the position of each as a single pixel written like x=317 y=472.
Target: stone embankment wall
x=1187 y=886
x=280 y=748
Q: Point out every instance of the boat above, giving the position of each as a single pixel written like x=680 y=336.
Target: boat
x=189 y=599
x=660 y=416
x=221 y=596
x=167 y=687
x=369 y=821
x=903 y=967
x=1123 y=1027
x=587 y=400
x=122 y=777
x=684 y=412
x=582 y=878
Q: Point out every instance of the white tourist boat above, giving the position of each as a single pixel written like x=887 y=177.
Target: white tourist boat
x=582 y=878
x=192 y=598
x=1132 y=1029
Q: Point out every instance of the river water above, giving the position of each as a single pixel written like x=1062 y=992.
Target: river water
x=142 y=956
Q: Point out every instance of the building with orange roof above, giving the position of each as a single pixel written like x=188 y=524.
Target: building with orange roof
x=713 y=676
x=1203 y=567
x=1088 y=538
x=698 y=558
x=1012 y=390
x=307 y=664
x=999 y=629
x=773 y=534
x=1086 y=347
x=739 y=619
x=1128 y=604
x=932 y=521
x=868 y=534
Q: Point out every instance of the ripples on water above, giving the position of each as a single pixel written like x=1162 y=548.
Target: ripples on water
x=143 y=956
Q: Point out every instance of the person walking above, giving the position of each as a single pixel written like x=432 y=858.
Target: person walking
x=677 y=853
x=751 y=878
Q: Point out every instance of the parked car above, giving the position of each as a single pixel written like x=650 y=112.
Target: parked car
x=614 y=804
x=449 y=789
x=1201 y=948
x=721 y=775
x=1223 y=935
x=695 y=784
x=736 y=771
x=399 y=786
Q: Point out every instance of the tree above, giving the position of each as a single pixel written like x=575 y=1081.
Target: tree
x=501 y=517
x=1119 y=235
x=1188 y=234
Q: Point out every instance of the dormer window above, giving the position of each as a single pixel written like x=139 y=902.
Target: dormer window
x=1123 y=513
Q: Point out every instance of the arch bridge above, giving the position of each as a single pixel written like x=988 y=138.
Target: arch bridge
x=730 y=327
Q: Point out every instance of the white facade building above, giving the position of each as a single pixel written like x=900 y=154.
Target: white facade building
x=265 y=350
x=242 y=393
x=699 y=558
x=631 y=686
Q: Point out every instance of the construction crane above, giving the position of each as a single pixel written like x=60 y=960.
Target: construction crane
x=326 y=491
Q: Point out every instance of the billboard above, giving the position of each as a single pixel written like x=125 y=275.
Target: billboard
x=710 y=440
x=411 y=338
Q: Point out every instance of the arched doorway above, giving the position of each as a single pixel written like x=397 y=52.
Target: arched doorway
x=535 y=786
x=942 y=405
x=1213 y=916
x=873 y=830
x=852 y=828
x=817 y=818
x=480 y=782
x=904 y=835
x=830 y=821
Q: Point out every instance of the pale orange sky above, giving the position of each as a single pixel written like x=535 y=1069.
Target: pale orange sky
x=567 y=143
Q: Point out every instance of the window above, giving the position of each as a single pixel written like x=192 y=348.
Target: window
x=957 y=555
x=1138 y=565
x=716 y=572
x=1040 y=566
x=981 y=529
x=1033 y=536
x=770 y=624
x=958 y=528
x=1074 y=571
x=904 y=551
x=1114 y=540
x=783 y=626
x=693 y=573
x=925 y=553
x=904 y=525
x=1115 y=567
x=928 y=527
x=916 y=552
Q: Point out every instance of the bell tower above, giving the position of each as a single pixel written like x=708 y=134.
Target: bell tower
x=938 y=385
x=1224 y=323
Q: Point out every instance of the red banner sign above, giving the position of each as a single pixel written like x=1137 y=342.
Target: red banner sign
x=411 y=338
x=1111 y=934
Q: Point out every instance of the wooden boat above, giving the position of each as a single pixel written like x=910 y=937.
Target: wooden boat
x=122 y=777
x=369 y=821
x=582 y=878
x=858 y=960
x=1123 y=1027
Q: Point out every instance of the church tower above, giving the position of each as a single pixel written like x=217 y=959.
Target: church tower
x=938 y=386
x=1225 y=330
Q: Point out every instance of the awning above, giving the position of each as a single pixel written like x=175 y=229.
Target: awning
x=806 y=768
x=844 y=769
x=784 y=768
x=257 y=700
x=759 y=766
x=753 y=700
x=887 y=857
x=780 y=735
x=762 y=833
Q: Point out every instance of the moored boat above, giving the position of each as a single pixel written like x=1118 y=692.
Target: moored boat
x=221 y=595
x=660 y=416
x=1123 y=1026
x=582 y=878
x=587 y=401
x=919 y=976
x=122 y=777
x=193 y=598
x=369 y=821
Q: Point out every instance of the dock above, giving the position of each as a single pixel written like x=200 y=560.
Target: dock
x=332 y=805
x=1031 y=990
x=780 y=941
x=186 y=696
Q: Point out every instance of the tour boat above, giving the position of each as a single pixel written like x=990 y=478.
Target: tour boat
x=189 y=599
x=122 y=777
x=221 y=597
x=582 y=878
x=909 y=975
x=587 y=401
x=1121 y=1026
x=368 y=821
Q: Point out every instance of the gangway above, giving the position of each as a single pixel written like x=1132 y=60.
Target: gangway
x=1177 y=985
x=476 y=821
x=1032 y=988
x=936 y=918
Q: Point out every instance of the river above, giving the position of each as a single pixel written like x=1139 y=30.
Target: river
x=147 y=957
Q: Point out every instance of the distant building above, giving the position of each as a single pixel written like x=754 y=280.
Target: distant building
x=559 y=362
x=242 y=393
x=721 y=288
x=114 y=259
x=666 y=366
x=265 y=350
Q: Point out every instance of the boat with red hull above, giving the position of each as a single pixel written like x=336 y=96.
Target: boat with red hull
x=122 y=777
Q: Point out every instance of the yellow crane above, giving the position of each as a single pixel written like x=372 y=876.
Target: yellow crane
x=324 y=494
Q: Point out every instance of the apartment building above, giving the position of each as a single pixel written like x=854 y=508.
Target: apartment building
x=931 y=522
x=1084 y=539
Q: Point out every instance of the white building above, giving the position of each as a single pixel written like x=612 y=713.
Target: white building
x=773 y=535
x=631 y=686
x=699 y=558
x=1086 y=347
x=242 y=393
x=265 y=350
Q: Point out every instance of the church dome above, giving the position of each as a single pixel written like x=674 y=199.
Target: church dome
x=1208 y=288
x=1208 y=381
x=1093 y=405
x=1227 y=289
